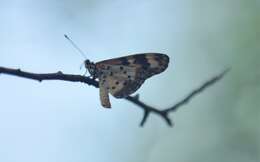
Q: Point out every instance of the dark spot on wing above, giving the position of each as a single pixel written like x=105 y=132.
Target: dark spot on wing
x=117 y=82
x=125 y=72
x=108 y=67
x=142 y=60
x=147 y=66
x=124 y=61
x=121 y=67
x=129 y=76
x=111 y=74
x=113 y=87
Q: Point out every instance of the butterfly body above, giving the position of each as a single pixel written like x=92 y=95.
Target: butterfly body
x=124 y=75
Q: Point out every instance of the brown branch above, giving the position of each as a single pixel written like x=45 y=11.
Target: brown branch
x=165 y=112
x=134 y=99
x=49 y=76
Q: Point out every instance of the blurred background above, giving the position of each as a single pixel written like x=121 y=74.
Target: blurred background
x=58 y=121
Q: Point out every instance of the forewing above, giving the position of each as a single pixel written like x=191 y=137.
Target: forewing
x=150 y=63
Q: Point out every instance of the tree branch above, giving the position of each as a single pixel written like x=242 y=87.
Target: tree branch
x=134 y=99
x=49 y=76
x=165 y=112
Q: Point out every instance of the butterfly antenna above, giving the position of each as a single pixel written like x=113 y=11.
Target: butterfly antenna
x=81 y=65
x=75 y=46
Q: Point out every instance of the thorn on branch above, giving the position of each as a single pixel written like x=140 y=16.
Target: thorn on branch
x=145 y=116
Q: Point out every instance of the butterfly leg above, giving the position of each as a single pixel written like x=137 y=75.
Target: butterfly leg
x=104 y=96
x=91 y=77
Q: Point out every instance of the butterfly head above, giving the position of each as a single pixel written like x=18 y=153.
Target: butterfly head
x=91 y=67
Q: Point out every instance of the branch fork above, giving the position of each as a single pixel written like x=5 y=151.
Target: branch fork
x=147 y=109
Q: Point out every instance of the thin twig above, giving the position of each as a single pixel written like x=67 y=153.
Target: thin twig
x=165 y=112
x=134 y=99
x=49 y=76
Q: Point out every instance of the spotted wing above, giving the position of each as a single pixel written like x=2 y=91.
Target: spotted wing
x=150 y=63
x=121 y=81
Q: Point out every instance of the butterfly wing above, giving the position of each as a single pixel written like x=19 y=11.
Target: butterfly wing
x=124 y=75
x=121 y=81
x=150 y=63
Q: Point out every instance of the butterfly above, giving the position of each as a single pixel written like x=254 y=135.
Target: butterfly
x=124 y=75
